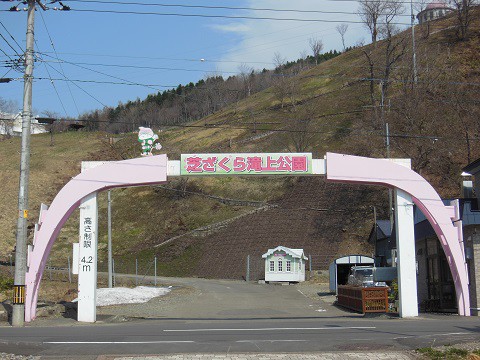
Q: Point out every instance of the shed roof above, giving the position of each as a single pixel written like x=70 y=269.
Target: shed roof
x=473 y=167
x=296 y=253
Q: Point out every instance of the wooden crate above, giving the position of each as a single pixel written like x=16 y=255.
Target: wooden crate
x=363 y=299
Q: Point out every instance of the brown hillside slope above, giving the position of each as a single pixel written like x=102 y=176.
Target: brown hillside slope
x=326 y=220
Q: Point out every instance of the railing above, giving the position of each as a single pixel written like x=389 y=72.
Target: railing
x=363 y=299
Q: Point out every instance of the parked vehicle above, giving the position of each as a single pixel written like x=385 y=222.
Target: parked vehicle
x=363 y=276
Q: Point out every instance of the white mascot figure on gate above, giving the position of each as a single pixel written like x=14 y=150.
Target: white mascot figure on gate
x=147 y=138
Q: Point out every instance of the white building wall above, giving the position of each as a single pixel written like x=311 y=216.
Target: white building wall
x=295 y=275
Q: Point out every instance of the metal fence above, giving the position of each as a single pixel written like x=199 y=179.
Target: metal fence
x=141 y=271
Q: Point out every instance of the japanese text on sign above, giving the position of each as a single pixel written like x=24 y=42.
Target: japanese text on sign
x=246 y=164
x=87 y=233
x=86 y=243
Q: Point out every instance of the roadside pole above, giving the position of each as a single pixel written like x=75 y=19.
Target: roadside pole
x=18 y=314
x=109 y=240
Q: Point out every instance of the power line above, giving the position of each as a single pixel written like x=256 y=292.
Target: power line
x=155 y=86
x=151 y=86
x=146 y=67
x=220 y=7
x=165 y=58
x=222 y=16
x=10 y=46
x=61 y=67
x=256 y=128
x=124 y=81
x=79 y=87
x=8 y=32
x=54 y=87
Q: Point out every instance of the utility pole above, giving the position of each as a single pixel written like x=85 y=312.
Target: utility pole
x=390 y=193
x=414 y=56
x=18 y=315
x=110 y=269
x=376 y=234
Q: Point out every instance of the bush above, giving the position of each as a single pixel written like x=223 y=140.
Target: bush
x=6 y=283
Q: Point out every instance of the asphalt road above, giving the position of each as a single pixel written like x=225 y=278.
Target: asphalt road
x=240 y=336
x=237 y=317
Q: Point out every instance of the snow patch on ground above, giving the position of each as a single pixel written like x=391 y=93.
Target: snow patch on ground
x=121 y=295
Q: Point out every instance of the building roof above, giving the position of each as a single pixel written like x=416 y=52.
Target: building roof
x=354 y=259
x=296 y=253
x=384 y=227
x=468 y=214
x=383 y=231
x=436 y=5
x=473 y=167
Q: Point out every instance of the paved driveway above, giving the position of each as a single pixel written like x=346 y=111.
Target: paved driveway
x=193 y=298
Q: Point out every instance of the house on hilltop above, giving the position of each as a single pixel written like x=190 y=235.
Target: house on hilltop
x=433 y=11
x=11 y=124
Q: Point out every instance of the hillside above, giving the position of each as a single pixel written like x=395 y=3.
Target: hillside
x=330 y=107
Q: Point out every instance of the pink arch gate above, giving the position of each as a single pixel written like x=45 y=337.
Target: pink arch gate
x=408 y=185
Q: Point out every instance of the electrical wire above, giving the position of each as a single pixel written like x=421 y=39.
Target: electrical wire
x=8 y=32
x=213 y=126
x=79 y=87
x=156 y=86
x=146 y=67
x=150 y=86
x=123 y=81
x=223 y=16
x=54 y=87
x=220 y=7
x=10 y=46
x=164 y=58
x=61 y=67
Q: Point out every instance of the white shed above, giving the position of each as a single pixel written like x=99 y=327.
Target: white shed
x=284 y=264
x=340 y=268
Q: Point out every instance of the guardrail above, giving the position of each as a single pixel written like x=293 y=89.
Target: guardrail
x=363 y=299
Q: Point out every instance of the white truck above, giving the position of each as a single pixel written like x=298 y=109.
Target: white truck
x=363 y=276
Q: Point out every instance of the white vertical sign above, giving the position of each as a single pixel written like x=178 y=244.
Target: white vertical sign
x=406 y=266
x=87 y=253
x=87 y=265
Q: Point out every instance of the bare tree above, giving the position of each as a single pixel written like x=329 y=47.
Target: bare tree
x=303 y=58
x=464 y=13
x=395 y=46
x=52 y=124
x=301 y=136
x=279 y=79
x=316 y=45
x=371 y=73
x=370 y=12
x=246 y=78
x=342 y=29
x=279 y=60
x=380 y=67
x=7 y=108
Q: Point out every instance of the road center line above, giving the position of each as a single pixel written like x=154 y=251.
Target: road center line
x=431 y=335
x=113 y=342
x=273 y=329
x=270 y=341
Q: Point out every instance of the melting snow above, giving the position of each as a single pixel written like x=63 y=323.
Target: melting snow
x=121 y=295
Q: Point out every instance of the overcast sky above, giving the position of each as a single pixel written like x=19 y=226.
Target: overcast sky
x=115 y=57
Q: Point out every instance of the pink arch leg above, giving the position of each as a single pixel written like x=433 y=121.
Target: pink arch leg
x=355 y=169
x=135 y=172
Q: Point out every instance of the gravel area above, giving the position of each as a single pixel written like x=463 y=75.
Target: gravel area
x=5 y=356
x=158 y=307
